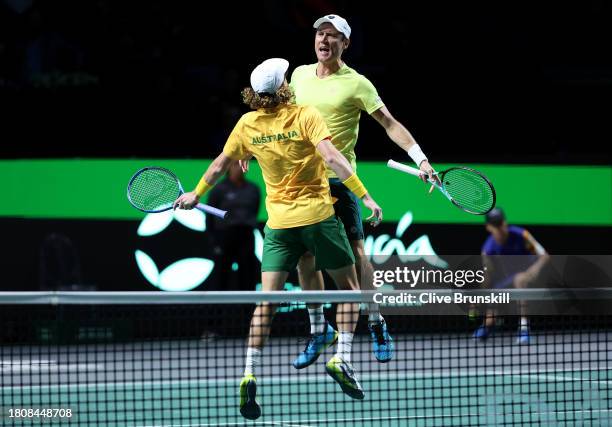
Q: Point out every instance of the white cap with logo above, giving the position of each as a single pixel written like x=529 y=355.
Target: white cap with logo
x=337 y=21
x=269 y=76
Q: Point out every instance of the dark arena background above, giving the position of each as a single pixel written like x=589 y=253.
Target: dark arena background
x=91 y=91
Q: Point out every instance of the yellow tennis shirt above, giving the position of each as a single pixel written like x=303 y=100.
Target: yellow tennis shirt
x=340 y=98
x=284 y=143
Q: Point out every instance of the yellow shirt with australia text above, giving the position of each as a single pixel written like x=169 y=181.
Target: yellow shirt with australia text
x=284 y=141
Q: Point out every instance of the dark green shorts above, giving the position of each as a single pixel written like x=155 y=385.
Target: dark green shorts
x=326 y=240
x=348 y=208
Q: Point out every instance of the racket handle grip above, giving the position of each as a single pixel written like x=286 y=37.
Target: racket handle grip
x=213 y=211
x=407 y=169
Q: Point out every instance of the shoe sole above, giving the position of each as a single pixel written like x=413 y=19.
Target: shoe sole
x=314 y=359
x=251 y=410
x=384 y=360
x=484 y=337
x=351 y=392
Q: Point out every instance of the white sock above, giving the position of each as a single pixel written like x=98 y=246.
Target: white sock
x=345 y=343
x=317 y=320
x=374 y=313
x=524 y=323
x=252 y=360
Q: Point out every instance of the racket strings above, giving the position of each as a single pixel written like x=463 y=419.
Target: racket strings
x=154 y=189
x=469 y=189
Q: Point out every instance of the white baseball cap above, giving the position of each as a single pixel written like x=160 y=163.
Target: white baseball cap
x=337 y=21
x=269 y=76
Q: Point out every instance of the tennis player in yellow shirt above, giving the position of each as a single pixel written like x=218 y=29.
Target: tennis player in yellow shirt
x=292 y=145
x=340 y=94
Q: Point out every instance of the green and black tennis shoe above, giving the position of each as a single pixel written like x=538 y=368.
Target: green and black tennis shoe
x=342 y=372
x=249 y=408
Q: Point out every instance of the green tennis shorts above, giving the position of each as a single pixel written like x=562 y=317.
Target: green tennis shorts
x=326 y=240
x=348 y=208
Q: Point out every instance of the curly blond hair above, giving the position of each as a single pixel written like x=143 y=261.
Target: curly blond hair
x=284 y=95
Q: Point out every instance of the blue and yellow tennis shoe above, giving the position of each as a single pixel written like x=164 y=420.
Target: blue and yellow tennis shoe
x=315 y=346
x=382 y=343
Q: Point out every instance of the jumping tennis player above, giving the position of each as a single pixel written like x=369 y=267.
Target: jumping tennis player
x=292 y=145
x=340 y=94
x=513 y=258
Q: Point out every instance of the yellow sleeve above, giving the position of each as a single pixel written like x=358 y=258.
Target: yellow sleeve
x=292 y=80
x=366 y=96
x=234 y=147
x=295 y=77
x=314 y=126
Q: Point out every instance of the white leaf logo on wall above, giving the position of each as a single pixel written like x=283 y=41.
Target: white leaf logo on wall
x=259 y=241
x=194 y=219
x=147 y=267
x=153 y=224
x=189 y=273
x=185 y=274
x=182 y=275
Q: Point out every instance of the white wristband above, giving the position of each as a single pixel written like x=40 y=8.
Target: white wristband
x=416 y=154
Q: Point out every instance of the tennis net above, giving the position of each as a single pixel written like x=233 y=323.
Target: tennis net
x=177 y=359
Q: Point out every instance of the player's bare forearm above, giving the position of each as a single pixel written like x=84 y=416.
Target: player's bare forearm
x=395 y=130
x=338 y=163
x=217 y=168
x=537 y=249
x=335 y=160
x=404 y=139
x=400 y=135
x=341 y=166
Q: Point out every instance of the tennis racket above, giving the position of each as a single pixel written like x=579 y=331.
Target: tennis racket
x=154 y=189
x=466 y=188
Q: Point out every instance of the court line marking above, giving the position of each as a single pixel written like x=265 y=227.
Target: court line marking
x=560 y=378
x=259 y=423
x=407 y=417
x=7 y=367
x=317 y=378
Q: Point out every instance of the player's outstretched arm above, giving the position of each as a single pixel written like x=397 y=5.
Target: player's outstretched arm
x=338 y=163
x=335 y=160
x=216 y=170
x=404 y=139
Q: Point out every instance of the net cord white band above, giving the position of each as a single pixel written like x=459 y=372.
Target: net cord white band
x=247 y=297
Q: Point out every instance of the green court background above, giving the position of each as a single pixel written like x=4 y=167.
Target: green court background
x=96 y=189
